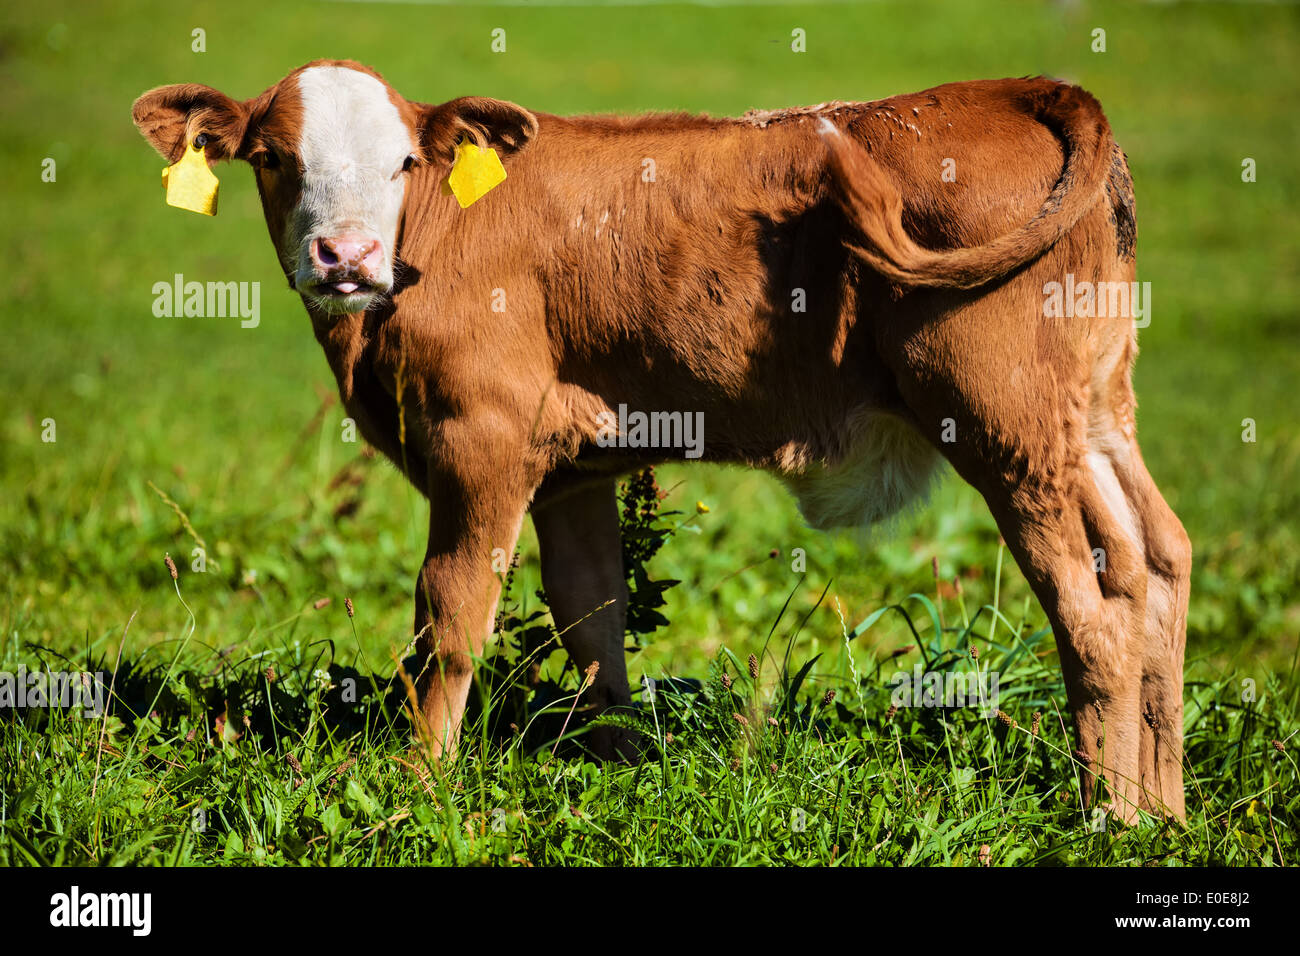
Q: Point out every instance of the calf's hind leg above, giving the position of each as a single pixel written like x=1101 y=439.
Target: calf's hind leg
x=1090 y=578
x=1166 y=562
x=1169 y=568
x=1012 y=415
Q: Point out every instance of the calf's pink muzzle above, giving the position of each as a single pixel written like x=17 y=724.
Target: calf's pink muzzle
x=348 y=261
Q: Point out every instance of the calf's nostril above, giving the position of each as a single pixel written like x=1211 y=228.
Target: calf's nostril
x=325 y=253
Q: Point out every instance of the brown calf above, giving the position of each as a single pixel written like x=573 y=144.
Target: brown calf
x=849 y=294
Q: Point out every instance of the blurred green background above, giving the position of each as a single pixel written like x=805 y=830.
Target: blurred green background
x=239 y=428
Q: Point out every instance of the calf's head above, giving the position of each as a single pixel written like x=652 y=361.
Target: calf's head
x=333 y=147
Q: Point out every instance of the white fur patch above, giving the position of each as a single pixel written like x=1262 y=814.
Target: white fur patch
x=888 y=468
x=353 y=142
x=1113 y=495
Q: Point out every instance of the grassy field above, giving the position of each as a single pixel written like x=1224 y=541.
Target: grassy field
x=177 y=433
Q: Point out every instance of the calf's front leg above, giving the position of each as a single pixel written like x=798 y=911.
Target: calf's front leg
x=577 y=525
x=476 y=508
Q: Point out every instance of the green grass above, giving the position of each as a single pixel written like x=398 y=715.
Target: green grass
x=777 y=759
x=239 y=428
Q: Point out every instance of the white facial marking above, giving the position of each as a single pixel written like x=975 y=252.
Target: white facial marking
x=353 y=142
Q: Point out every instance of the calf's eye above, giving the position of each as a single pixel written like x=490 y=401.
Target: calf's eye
x=407 y=165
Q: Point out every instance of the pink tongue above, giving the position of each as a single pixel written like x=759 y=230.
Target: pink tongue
x=346 y=287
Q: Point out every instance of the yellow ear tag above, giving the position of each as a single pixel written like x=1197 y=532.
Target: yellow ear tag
x=190 y=183
x=474 y=172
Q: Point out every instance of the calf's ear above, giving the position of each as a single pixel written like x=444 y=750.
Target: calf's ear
x=170 y=117
x=505 y=127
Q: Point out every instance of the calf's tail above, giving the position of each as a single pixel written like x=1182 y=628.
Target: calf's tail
x=874 y=205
